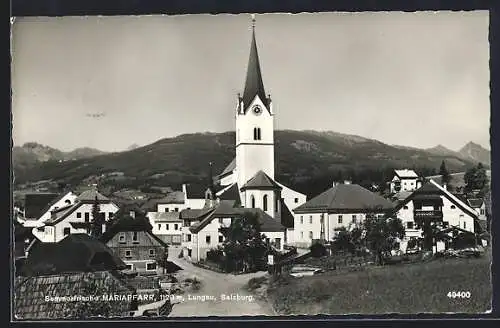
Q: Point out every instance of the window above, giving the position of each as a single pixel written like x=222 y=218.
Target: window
x=66 y=231
x=453 y=207
x=151 y=266
x=302 y=235
x=176 y=209
x=340 y=218
x=220 y=220
x=354 y=219
x=188 y=237
x=176 y=226
x=121 y=238
x=310 y=219
x=129 y=266
x=409 y=225
x=166 y=226
x=221 y=239
x=78 y=215
x=301 y=219
x=264 y=203
x=310 y=235
x=252 y=200
x=166 y=209
x=207 y=239
x=296 y=200
x=461 y=215
x=256 y=134
x=405 y=207
x=152 y=252
x=87 y=216
x=465 y=225
x=190 y=252
x=277 y=243
x=482 y=211
x=159 y=226
x=135 y=237
x=128 y=254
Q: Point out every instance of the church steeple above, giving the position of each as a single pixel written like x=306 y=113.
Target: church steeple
x=253 y=83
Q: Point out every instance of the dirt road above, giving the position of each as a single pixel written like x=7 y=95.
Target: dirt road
x=219 y=295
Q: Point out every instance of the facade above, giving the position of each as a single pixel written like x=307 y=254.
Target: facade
x=74 y=218
x=167 y=226
x=342 y=206
x=434 y=202
x=131 y=239
x=404 y=180
x=250 y=177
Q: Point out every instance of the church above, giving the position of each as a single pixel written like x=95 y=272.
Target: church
x=247 y=184
x=250 y=177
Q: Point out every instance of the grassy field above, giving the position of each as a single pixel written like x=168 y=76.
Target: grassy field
x=404 y=288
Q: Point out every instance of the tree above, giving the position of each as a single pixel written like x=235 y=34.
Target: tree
x=97 y=219
x=244 y=246
x=162 y=260
x=348 y=241
x=476 y=179
x=381 y=234
x=445 y=175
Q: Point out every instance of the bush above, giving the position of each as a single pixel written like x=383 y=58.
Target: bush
x=317 y=250
x=255 y=283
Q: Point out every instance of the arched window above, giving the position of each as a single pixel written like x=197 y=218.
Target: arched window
x=252 y=200
x=264 y=203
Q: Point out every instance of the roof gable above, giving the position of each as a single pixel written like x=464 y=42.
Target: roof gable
x=406 y=174
x=261 y=181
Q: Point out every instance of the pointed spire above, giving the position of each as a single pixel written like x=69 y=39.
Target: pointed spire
x=253 y=84
x=211 y=186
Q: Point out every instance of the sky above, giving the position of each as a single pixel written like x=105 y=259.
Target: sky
x=413 y=79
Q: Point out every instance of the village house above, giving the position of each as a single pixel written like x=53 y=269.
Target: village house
x=75 y=217
x=167 y=226
x=190 y=197
x=76 y=266
x=203 y=233
x=434 y=202
x=403 y=180
x=131 y=238
x=345 y=205
x=39 y=208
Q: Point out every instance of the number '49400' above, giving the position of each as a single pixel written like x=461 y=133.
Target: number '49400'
x=459 y=294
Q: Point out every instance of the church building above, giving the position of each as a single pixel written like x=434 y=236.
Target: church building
x=250 y=177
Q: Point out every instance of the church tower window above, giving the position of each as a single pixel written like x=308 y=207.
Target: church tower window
x=256 y=134
x=264 y=203
x=252 y=200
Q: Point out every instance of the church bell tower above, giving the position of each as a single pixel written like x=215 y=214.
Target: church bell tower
x=254 y=123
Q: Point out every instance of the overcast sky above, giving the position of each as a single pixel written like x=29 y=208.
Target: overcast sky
x=413 y=79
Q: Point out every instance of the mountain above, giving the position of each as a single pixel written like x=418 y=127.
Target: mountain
x=475 y=152
x=302 y=158
x=32 y=154
x=443 y=151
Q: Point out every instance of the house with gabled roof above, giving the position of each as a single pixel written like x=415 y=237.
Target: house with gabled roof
x=434 y=202
x=191 y=196
x=38 y=218
x=343 y=205
x=76 y=217
x=167 y=226
x=130 y=237
x=404 y=180
x=203 y=228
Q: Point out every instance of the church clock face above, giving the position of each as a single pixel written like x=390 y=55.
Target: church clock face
x=257 y=110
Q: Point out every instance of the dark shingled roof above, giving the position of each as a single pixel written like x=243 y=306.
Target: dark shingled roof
x=475 y=202
x=224 y=210
x=230 y=168
x=285 y=216
x=232 y=193
x=74 y=253
x=345 y=197
x=194 y=214
x=196 y=191
x=35 y=204
x=253 y=83
x=30 y=293
x=261 y=181
x=176 y=197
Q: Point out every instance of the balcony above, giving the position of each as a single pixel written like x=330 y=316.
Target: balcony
x=428 y=214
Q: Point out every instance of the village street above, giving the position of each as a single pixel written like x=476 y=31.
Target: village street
x=213 y=286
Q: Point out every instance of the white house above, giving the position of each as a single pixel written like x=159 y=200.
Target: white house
x=404 y=180
x=61 y=201
x=432 y=201
x=180 y=200
x=167 y=226
x=249 y=179
x=74 y=218
x=203 y=233
x=344 y=205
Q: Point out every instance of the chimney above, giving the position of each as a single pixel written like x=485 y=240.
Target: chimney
x=184 y=190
